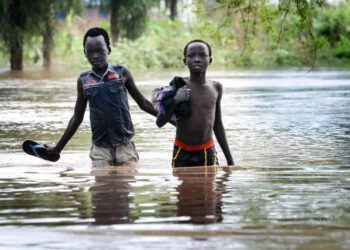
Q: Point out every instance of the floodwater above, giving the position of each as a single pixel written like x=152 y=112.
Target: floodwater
x=289 y=132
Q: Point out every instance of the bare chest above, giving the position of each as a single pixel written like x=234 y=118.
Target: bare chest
x=203 y=98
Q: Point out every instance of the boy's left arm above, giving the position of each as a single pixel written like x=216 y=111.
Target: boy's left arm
x=219 y=129
x=141 y=101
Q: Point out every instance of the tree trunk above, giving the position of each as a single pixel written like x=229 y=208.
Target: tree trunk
x=16 y=54
x=173 y=9
x=167 y=4
x=48 y=39
x=15 y=41
x=114 y=21
x=47 y=49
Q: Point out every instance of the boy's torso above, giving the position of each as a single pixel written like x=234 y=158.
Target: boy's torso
x=109 y=109
x=198 y=127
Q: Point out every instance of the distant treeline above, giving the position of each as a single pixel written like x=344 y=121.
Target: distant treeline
x=152 y=33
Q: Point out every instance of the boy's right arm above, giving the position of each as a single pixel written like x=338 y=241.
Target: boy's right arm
x=74 y=123
x=182 y=94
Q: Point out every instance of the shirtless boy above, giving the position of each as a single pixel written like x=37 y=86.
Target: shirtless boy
x=194 y=144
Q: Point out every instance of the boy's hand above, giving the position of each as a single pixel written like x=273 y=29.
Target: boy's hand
x=182 y=94
x=51 y=149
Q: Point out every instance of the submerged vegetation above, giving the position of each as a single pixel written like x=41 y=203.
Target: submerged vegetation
x=242 y=33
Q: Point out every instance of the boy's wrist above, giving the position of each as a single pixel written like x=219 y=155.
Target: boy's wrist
x=176 y=100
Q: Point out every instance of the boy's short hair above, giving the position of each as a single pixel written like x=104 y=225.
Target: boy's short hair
x=197 y=41
x=96 y=31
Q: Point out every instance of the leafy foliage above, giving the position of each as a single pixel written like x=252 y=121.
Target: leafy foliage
x=129 y=18
x=332 y=27
x=22 y=21
x=242 y=33
x=19 y=18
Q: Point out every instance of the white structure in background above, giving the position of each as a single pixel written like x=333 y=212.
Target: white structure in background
x=185 y=10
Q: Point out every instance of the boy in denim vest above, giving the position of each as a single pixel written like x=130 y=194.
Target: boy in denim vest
x=194 y=144
x=105 y=88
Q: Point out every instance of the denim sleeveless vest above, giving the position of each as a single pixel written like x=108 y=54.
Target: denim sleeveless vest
x=110 y=118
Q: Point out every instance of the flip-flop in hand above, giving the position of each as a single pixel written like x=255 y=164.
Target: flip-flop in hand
x=36 y=149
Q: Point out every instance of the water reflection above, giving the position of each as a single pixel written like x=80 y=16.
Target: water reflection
x=199 y=194
x=289 y=132
x=112 y=195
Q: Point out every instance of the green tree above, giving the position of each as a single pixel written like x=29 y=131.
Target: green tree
x=49 y=25
x=275 y=18
x=18 y=19
x=127 y=18
x=21 y=20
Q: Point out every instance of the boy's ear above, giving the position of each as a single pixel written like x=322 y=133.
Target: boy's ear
x=210 y=60
x=184 y=60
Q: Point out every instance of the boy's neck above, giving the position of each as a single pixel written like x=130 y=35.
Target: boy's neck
x=197 y=78
x=100 y=72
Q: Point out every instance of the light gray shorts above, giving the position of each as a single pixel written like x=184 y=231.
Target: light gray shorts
x=117 y=155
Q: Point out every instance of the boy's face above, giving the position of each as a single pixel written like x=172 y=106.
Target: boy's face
x=96 y=52
x=197 y=57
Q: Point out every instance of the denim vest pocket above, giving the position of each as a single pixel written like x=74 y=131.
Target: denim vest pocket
x=115 y=86
x=91 y=93
x=115 y=89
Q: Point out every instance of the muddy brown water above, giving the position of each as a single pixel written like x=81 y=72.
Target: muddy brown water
x=289 y=132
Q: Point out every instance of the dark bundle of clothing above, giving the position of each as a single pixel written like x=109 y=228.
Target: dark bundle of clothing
x=163 y=98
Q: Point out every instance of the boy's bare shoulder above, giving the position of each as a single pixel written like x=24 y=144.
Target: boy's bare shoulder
x=217 y=85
